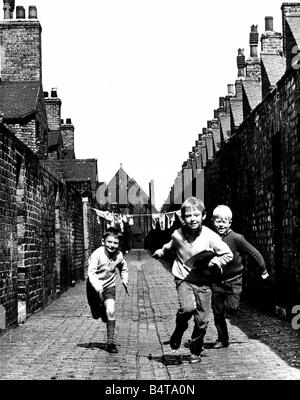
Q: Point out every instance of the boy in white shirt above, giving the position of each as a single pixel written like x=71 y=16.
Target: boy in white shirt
x=101 y=278
x=193 y=277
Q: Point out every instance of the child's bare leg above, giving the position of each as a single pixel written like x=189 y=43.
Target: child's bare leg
x=111 y=325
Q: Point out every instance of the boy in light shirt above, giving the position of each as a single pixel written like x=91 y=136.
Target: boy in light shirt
x=193 y=281
x=101 y=278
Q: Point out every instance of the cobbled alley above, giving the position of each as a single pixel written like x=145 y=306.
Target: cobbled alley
x=63 y=341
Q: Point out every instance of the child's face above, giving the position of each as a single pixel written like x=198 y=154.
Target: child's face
x=193 y=218
x=111 y=244
x=221 y=224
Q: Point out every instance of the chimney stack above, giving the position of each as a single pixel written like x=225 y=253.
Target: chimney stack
x=221 y=102
x=21 y=43
x=68 y=121
x=271 y=42
x=254 y=35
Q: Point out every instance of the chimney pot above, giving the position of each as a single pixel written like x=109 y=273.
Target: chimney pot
x=200 y=137
x=20 y=12
x=216 y=114
x=254 y=38
x=269 y=24
x=62 y=121
x=46 y=94
x=209 y=124
x=221 y=102
x=53 y=93
x=204 y=130
x=68 y=121
x=32 y=12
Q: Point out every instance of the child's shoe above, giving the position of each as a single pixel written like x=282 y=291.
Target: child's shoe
x=221 y=345
x=112 y=348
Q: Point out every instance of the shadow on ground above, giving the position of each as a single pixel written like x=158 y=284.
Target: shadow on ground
x=277 y=334
x=171 y=359
x=93 y=345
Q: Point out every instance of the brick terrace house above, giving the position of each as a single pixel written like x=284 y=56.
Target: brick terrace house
x=254 y=164
x=47 y=229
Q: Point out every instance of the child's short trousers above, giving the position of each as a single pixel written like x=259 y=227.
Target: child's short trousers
x=109 y=293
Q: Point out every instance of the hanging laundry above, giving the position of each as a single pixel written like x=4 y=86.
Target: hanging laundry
x=162 y=221
x=178 y=213
x=170 y=219
x=155 y=219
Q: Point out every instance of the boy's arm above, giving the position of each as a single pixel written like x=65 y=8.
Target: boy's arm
x=166 y=248
x=224 y=254
x=247 y=248
x=123 y=268
x=92 y=268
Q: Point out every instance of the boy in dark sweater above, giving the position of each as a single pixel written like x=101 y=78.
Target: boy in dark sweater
x=226 y=292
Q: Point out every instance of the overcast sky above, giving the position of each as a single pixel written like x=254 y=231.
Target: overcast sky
x=140 y=78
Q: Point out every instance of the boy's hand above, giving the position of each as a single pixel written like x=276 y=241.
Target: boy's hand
x=158 y=253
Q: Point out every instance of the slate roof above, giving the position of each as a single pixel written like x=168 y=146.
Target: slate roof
x=236 y=106
x=76 y=170
x=275 y=66
x=18 y=99
x=253 y=92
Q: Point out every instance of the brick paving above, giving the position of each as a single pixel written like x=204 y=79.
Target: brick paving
x=63 y=341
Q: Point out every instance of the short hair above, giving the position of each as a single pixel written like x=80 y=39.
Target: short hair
x=192 y=202
x=112 y=231
x=222 y=211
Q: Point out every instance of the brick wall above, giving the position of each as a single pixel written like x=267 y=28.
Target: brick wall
x=33 y=130
x=41 y=230
x=257 y=174
x=8 y=229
